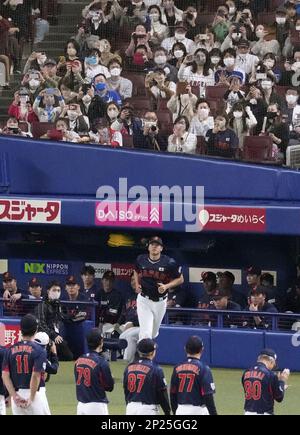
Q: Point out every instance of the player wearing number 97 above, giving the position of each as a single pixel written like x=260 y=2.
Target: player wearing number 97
x=93 y=378
x=192 y=385
x=23 y=368
x=263 y=386
x=144 y=383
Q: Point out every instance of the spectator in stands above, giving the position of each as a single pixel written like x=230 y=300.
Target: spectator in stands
x=110 y=302
x=190 y=20
x=92 y=65
x=117 y=83
x=263 y=45
x=198 y=72
x=235 y=35
x=62 y=132
x=41 y=27
x=102 y=91
x=160 y=60
x=171 y=15
x=50 y=317
x=148 y=136
x=90 y=288
x=70 y=96
x=293 y=107
x=277 y=130
x=78 y=123
x=4 y=50
x=104 y=134
x=215 y=57
x=242 y=121
x=106 y=56
x=202 y=121
x=245 y=61
x=158 y=30
x=112 y=113
x=35 y=61
x=100 y=19
x=52 y=108
x=183 y=103
x=139 y=37
x=12 y=128
x=10 y=290
x=178 y=54
x=34 y=82
x=293 y=298
x=269 y=92
x=253 y=277
x=222 y=141
x=257 y=304
x=158 y=87
x=206 y=41
x=229 y=69
x=49 y=72
x=21 y=107
x=270 y=63
x=222 y=302
x=234 y=94
x=221 y=24
x=179 y=36
x=258 y=107
x=283 y=28
x=129 y=124
x=90 y=104
x=182 y=141
x=135 y=13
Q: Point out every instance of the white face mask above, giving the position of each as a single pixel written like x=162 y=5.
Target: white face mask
x=280 y=20
x=215 y=60
x=72 y=115
x=24 y=99
x=53 y=295
x=41 y=60
x=298 y=28
x=160 y=60
x=292 y=99
x=260 y=34
x=178 y=54
x=238 y=115
x=113 y=114
x=34 y=83
x=203 y=113
x=87 y=99
x=229 y=61
x=253 y=101
x=115 y=72
x=232 y=10
x=179 y=36
x=266 y=85
x=296 y=66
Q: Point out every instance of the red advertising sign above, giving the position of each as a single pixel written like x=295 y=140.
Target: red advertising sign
x=236 y=219
x=9 y=333
x=30 y=211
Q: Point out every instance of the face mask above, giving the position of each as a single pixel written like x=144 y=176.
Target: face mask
x=113 y=113
x=260 y=34
x=154 y=17
x=298 y=28
x=115 y=72
x=34 y=83
x=179 y=36
x=238 y=115
x=271 y=115
x=160 y=60
x=53 y=296
x=229 y=61
x=87 y=99
x=292 y=99
x=100 y=87
x=280 y=20
x=138 y=59
x=42 y=60
x=72 y=115
x=23 y=99
x=296 y=66
x=232 y=10
x=253 y=101
x=203 y=113
x=178 y=54
x=215 y=60
x=91 y=60
x=266 y=85
x=71 y=52
x=269 y=63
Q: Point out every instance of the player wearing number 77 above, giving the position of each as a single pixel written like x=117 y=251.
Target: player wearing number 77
x=192 y=386
x=263 y=386
x=93 y=378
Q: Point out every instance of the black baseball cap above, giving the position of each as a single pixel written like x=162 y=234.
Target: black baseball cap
x=271 y=354
x=260 y=290
x=34 y=282
x=254 y=270
x=29 y=325
x=109 y=274
x=208 y=276
x=88 y=270
x=146 y=346
x=7 y=277
x=194 y=345
x=94 y=338
x=71 y=280
x=156 y=240
x=228 y=275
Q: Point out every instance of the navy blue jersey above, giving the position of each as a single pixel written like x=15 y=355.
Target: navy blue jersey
x=262 y=388
x=151 y=273
x=93 y=378
x=2 y=353
x=110 y=306
x=92 y=293
x=191 y=382
x=266 y=321
x=21 y=360
x=144 y=381
x=52 y=366
x=129 y=313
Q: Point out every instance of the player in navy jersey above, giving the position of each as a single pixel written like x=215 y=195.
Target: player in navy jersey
x=155 y=274
x=93 y=378
x=192 y=385
x=22 y=370
x=263 y=386
x=2 y=389
x=144 y=383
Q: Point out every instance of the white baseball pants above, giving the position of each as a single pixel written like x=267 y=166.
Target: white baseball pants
x=137 y=408
x=92 y=408
x=38 y=407
x=2 y=406
x=150 y=316
x=191 y=410
x=132 y=337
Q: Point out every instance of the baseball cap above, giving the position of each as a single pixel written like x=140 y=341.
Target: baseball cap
x=260 y=290
x=94 y=338
x=194 y=345
x=228 y=275
x=270 y=353
x=219 y=294
x=71 y=280
x=42 y=338
x=208 y=276
x=243 y=43
x=7 y=277
x=254 y=270
x=109 y=274
x=50 y=62
x=146 y=346
x=88 y=270
x=34 y=282
x=29 y=325
x=157 y=240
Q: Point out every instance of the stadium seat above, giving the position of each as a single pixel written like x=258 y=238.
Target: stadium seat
x=127 y=141
x=141 y=103
x=206 y=19
x=216 y=92
x=24 y=126
x=165 y=121
x=38 y=129
x=266 y=18
x=257 y=148
x=201 y=146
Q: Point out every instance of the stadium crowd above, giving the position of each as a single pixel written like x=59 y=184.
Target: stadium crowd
x=166 y=75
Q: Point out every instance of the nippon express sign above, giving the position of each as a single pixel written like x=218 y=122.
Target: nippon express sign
x=47 y=268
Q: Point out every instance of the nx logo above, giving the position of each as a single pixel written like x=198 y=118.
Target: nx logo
x=35 y=268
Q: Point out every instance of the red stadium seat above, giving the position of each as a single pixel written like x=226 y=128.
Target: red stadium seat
x=206 y=19
x=257 y=148
x=165 y=121
x=266 y=18
x=127 y=141
x=24 y=126
x=216 y=92
x=141 y=103
x=201 y=146
x=38 y=129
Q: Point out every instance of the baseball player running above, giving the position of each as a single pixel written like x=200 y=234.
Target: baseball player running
x=22 y=370
x=192 y=385
x=93 y=378
x=155 y=274
x=144 y=383
x=2 y=390
x=262 y=386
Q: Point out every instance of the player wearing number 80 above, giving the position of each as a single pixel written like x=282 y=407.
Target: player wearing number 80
x=262 y=386
x=192 y=385
x=93 y=378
